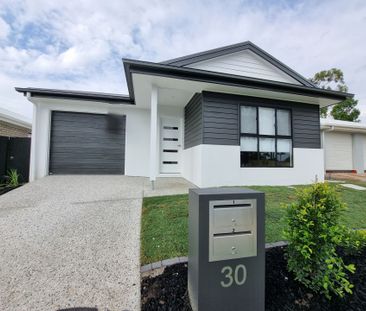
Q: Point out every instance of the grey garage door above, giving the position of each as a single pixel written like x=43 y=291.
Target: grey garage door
x=84 y=143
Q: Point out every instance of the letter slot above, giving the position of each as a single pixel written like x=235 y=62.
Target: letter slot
x=232 y=229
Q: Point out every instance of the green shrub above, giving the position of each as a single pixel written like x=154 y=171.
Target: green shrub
x=13 y=176
x=313 y=233
x=354 y=241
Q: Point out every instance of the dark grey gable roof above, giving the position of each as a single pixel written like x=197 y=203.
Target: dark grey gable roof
x=80 y=95
x=247 y=45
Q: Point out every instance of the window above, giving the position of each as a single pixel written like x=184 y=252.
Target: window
x=266 y=137
x=249 y=120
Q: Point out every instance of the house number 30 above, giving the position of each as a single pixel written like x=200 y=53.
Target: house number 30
x=239 y=276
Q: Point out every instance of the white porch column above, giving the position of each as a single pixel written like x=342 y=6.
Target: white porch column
x=153 y=134
x=32 y=166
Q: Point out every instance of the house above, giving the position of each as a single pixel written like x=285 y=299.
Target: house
x=14 y=125
x=229 y=116
x=344 y=145
x=15 y=133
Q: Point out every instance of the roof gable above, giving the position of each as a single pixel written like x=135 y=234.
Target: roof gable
x=245 y=63
x=243 y=59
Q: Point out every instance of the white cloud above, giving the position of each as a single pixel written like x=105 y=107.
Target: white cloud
x=4 y=29
x=79 y=44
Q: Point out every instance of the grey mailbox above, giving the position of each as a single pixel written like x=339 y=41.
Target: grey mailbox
x=226 y=259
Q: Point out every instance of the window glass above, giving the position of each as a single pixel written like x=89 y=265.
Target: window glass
x=249 y=151
x=266 y=121
x=284 y=152
x=249 y=143
x=267 y=145
x=261 y=143
x=283 y=122
x=248 y=119
x=267 y=152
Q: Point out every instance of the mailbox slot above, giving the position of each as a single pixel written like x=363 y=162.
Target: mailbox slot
x=232 y=229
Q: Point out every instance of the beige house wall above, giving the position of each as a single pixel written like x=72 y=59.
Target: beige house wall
x=11 y=130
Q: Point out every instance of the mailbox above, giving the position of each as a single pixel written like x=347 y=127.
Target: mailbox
x=226 y=259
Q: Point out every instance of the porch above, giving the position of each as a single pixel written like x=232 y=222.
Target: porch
x=167 y=186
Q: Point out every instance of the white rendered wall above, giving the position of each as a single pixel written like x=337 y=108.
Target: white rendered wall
x=218 y=165
x=137 y=133
x=39 y=143
x=192 y=165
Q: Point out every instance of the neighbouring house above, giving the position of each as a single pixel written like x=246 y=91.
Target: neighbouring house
x=230 y=116
x=14 y=125
x=15 y=133
x=344 y=145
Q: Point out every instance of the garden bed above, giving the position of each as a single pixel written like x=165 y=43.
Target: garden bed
x=6 y=189
x=168 y=291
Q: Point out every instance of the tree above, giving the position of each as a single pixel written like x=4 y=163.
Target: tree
x=333 y=79
x=346 y=110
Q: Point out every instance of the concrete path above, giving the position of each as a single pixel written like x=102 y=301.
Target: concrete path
x=354 y=187
x=167 y=186
x=71 y=241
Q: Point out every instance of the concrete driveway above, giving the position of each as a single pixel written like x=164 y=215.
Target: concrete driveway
x=71 y=241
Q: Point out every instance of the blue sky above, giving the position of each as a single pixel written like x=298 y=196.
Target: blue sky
x=79 y=44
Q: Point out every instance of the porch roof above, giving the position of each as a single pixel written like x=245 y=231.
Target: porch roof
x=137 y=67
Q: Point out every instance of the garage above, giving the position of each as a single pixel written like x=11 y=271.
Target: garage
x=338 y=151
x=85 y=143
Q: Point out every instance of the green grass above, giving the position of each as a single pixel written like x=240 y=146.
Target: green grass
x=164 y=228
x=165 y=219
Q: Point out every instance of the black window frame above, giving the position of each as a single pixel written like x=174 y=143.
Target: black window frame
x=258 y=136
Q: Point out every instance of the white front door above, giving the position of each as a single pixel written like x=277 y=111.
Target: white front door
x=170 y=145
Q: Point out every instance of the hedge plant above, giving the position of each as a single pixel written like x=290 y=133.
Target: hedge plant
x=354 y=242
x=313 y=232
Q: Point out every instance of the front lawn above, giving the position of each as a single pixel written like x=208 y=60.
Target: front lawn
x=165 y=220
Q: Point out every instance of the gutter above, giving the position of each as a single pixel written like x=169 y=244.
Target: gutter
x=329 y=129
x=344 y=129
x=79 y=95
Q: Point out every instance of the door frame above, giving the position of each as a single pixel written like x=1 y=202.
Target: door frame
x=180 y=146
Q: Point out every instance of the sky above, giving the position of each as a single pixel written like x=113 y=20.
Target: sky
x=79 y=44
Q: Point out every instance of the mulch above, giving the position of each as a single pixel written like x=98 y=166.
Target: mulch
x=6 y=189
x=168 y=291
